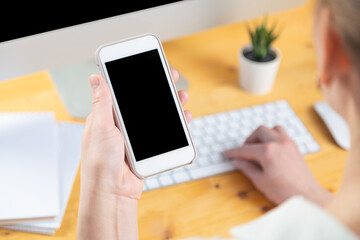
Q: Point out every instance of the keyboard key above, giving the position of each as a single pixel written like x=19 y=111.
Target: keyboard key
x=166 y=180
x=191 y=166
x=235 y=115
x=204 y=151
x=196 y=132
x=246 y=112
x=152 y=183
x=299 y=126
x=221 y=137
x=179 y=169
x=258 y=121
x=230 y=144
x=208 y=141
x=313 y=147
x=212 y=170
x=196 y=163
x=270 y=108
x=246 y=122
x=216 y=148
x=196 y=123
x=216 y=158
x=234 y=125
x=259 y=110
x=282 y=104
x=304 y=138
x=211 y=120
x=303 y=149
x=221 y=118
x=181 y=177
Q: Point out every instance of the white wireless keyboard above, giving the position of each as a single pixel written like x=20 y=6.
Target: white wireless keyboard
x=215 y=133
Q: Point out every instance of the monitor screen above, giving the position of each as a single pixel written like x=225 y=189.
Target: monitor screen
x=25 y=19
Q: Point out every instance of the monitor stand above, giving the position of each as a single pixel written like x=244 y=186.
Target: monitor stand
x=72 y=84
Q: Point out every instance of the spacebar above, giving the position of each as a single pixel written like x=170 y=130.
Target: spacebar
x=211 y=170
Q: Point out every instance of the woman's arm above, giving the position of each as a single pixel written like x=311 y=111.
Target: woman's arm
x=106 y=216
x=109 y=191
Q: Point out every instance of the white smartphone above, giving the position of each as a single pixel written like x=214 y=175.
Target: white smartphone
x=146 y=105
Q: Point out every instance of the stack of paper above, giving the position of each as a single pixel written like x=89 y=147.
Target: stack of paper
x=39 y=159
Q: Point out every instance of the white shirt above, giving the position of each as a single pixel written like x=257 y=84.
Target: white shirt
x=295 y=219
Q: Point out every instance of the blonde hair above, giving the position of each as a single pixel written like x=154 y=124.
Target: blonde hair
x=347 y=19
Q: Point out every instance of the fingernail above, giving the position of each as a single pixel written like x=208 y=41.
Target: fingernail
x=188 y=117
x=175 y=72
x=190 y=114
x=186 y=95
x=94 y=82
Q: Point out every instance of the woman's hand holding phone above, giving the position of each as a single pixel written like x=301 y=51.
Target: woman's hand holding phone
x=103 y=144
x=108 y=186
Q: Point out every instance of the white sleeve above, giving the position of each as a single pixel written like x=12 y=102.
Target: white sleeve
x=295 y=219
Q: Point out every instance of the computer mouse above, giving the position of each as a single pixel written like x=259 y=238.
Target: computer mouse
x=335 y=123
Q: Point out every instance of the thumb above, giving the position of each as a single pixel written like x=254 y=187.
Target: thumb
x=249 y=169
x=102 y=111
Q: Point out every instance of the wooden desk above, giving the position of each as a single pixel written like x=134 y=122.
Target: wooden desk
x=211 y=206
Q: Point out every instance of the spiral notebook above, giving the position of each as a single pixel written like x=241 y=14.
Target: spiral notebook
x=68 y=142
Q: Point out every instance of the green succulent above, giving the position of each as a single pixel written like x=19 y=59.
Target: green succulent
x=262 y=38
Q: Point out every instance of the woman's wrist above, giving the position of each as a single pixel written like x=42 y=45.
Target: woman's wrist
x=104 y=215
x=320 y=196
x=96 y=182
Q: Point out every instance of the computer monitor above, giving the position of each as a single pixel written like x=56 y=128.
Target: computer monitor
x=63 y=37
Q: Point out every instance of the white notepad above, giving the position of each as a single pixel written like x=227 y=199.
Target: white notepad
x=70 y=135
x=28 y=167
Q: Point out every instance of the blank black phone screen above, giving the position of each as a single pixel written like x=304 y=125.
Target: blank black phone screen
x=146 y=104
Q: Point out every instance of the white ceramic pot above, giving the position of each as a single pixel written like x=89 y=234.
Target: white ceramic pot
x=258 y=77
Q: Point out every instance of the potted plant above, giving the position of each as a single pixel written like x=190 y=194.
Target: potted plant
x=259 y=62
